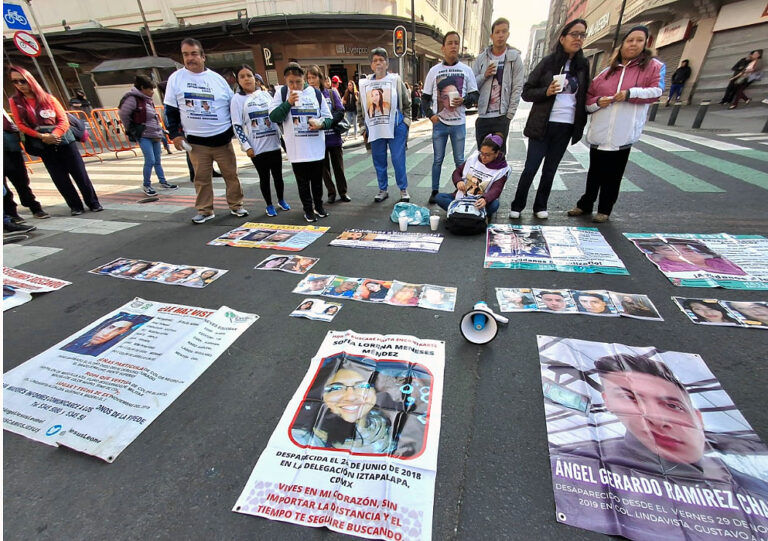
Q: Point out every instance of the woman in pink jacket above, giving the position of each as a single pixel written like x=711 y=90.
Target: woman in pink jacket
x=618 y=100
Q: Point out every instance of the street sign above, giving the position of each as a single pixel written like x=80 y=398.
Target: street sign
x=15 y=18
x=399 y=41
x=73 y=65
x=26 y=43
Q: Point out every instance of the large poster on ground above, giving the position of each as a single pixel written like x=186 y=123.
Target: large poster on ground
x=290 y=238
x=711 y=260
x=543 y=247
x=19 y=285
x=356 y=448
x=389 y=240
x=647 y=444
x=98 y=389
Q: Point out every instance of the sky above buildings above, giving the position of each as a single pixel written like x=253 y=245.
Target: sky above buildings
x=522 y=14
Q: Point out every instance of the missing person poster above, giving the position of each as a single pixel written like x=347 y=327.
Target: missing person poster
x=295 y=264
x=752 y=314
x=159 y=272
x=98 y=389
x=290 y=238
x=712 y=260
x=647 y=444
x=543 y=247
x=593 y=302
x=317 y=309
x=389 y=240
x=19 y=285
x=356 y=448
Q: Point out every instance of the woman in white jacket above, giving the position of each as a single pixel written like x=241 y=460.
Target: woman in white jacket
x=618 y=101
x=258 y=136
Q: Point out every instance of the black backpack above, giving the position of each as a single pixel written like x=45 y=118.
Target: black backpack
x=464 y=218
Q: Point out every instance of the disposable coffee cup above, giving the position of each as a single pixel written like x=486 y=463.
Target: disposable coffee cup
x=453 y=94
x=403 y=223
x=433 y=221
x=186 y=146
x=560 y=80
x=296 y=92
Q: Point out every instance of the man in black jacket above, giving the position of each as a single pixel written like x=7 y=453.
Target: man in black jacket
x=679 y=78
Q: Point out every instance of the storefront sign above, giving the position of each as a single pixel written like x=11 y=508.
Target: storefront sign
x=269 y=57
x=740 y=14
x=672 y=33
x=637 y=7
x=349 y=50
x=596 y=28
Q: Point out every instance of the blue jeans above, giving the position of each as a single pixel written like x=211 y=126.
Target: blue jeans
x=351 y=118
x=397 y=149
x=675 y=90
x=440 y=134
x=444 y=199
x=152 y=151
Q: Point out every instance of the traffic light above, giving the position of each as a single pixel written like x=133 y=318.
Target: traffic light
x=400 y=41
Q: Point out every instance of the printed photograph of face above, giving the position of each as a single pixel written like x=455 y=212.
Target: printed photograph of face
x=273 y=262
x=438 y=298
x=372 y=290
x=257 y=235
x=754 y=313
x=635 y=305
x=513 y=299
x=280 y=236
x=313 y=284
x=686 y=255
x=363 y=406
x=593 y=302
x=95 y=341
x=155 y=272
x=317 y=309
x=379 y=101
x=506 y=243
x=299 y=265
x=707 y=311
x=402 y=294
x=342 y=286
x=447 y=88
x=555 y=300
x=356 y=235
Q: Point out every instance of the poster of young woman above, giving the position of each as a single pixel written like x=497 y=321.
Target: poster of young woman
x=356 y=449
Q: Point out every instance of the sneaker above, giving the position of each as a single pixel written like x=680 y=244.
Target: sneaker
x=167 y=186
x=271 y=212
x=514 y=215
x=331 y=198
x=600 y=218
x=542 y=215
x=149 y=190
x=575 y=211
x=17 y=228
x=202 y=218
x=404 y=196
x=310 y=217
x=381 y=196
x=41 y=214
x=76 y=212
x=240 y=213
x=97 y=208
x=747 y=100
x=17 y=219
x=321 y=212
x=432 y=198
x=282 y=205
x=344 y=198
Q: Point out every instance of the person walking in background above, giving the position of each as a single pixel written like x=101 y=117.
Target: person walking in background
x=15 y=170
x=258 y=136
x=142 y=124
x=737 y=68
x=43 y=121
x=380 y=92
x=618 y=99
x=751 y=73
x=452 y=84
x=197 y=106
x=416 y=102
x=679 y=78
x=333 y=151
x=349 y=99
x=79 y=102
x=557 y=86
x=500 y=74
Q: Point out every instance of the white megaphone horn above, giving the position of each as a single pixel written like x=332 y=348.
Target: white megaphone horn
x=479 y=325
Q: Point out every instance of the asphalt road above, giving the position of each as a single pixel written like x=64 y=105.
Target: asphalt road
x=180 y=478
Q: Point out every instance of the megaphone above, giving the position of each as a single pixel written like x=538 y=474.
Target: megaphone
x=479 y=325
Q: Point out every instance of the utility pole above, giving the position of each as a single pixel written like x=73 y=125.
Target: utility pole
x=413 y=42
x=48 y=50
x=146 y=29
x=618 y=25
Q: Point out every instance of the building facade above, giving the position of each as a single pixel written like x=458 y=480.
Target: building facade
x=537 y=46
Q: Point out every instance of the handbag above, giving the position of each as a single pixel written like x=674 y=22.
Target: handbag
x=341 y=127
x=35 y=145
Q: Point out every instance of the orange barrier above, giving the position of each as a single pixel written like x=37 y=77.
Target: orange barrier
x=93 y=146
x=111 y=131
x=161 y=115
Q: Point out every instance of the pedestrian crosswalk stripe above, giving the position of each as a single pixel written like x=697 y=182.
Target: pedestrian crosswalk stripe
x=735 y=170
x=754 y=154
x=710 y=143
x=663 y=144
x=626 y=184
x=681 y=180
x=15 y=255
x=85 y=225
x=557 y=182
x=736 y=134
x=755 y=138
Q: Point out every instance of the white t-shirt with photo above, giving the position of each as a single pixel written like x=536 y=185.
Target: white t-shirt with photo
x=251 y=113
x=494 y=100
x=564 y=108
x=203 y=100
x=442 y=79
x=301 y=143
x=477 y=177
x=378 y=100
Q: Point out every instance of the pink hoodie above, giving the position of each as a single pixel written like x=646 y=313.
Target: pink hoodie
x=620 y=124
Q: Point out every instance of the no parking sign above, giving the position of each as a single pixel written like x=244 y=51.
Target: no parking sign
x=26 y=43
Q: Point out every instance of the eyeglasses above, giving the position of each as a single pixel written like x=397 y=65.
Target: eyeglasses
x=577 y=35
x=339 y=388
x=19 y=81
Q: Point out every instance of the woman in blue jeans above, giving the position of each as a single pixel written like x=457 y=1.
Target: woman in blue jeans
x=142 y=123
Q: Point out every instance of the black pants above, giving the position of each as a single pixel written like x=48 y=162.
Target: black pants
x=335 y=158
x=264 y=163
x=606 y=167
x=309 y=179
x=15 y=171
x=64 y=160
x=487 y=126
x=550 y=149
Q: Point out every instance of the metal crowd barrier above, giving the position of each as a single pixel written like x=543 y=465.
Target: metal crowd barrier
x=111 y=132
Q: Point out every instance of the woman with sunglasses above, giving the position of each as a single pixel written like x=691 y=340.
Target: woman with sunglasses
x=43 y=121
x=557 y=86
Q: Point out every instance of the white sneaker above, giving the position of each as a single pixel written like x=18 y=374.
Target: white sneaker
x=542 y=215
x=513 y=215
x=202 y=218
x=240 y=213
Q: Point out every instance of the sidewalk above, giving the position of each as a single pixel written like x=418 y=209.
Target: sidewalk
x=746 y=118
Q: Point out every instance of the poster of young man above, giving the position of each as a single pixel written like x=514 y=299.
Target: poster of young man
x=356 y=448
x=711 y=260
x=160 y=272
x=289 y=238
x=18 y=286
x=646 y=444
x=98 y=389
x=389 y=240
x=564 y=249
x=598 y=302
